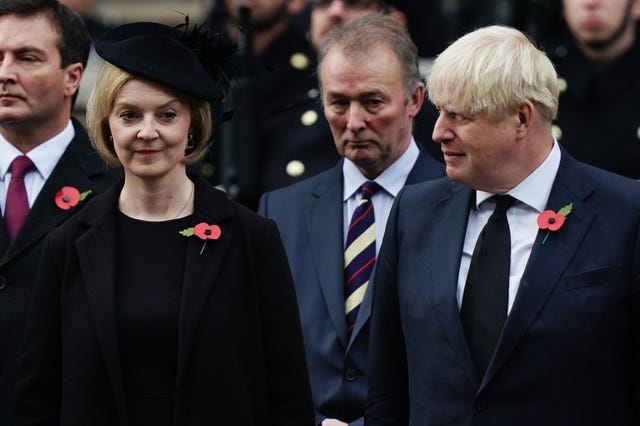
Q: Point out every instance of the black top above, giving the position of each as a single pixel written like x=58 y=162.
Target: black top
x=150 y=269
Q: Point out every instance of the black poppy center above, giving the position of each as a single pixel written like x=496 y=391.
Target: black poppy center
x=552 y=220
x=207 y=232
x=66 y=199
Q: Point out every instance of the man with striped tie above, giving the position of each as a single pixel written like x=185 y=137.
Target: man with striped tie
x=332 y=224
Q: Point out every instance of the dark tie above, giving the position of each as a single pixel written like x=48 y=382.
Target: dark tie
x=485 y=299
x=360 y=253
x=17 y=205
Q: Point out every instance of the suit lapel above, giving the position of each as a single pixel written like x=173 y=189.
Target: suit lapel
x=445 y=250
x=76 y=168
x=96 y=251
x=546 y=262
x=201 y=270
x=323 y=217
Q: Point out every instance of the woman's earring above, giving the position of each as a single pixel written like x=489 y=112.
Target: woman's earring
x=190 y=143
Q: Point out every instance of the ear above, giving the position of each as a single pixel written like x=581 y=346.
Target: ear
x=296 y=6
x=635 y=10
x=524 y=118
x=400 y=16
x=73 y=76
x=416 y=100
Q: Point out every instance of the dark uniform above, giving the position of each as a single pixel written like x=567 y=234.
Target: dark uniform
x=599 y=116
x=278 y=133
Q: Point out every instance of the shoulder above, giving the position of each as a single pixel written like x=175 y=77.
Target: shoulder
x=311 y=187
x=425 y=168
x=429 y=190
x=215 y=206
x=601 y=188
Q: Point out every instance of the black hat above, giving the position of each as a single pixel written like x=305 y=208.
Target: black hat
x=180 y=60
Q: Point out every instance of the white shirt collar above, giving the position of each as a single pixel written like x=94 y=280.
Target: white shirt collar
x=534 y=190
x=45 y=156
x=391 y=180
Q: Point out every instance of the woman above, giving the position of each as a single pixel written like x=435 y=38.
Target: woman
x=161 y=302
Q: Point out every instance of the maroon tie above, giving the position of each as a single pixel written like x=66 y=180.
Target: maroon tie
x=17 y=205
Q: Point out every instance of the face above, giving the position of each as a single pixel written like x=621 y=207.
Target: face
x=264 y=13
x=80 y=6
x=367 y=109
x=327 y=14
x=600 y=23
x=150 y=127
x=34 y=90
x=479 y=152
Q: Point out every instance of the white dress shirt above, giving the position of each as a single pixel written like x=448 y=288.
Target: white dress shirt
x=44 y=157
x=532 y=195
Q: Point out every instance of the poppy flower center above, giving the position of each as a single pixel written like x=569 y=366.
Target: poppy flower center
x=552 y=220
x=207 y=232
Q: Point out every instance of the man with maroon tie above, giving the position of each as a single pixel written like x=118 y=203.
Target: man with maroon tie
x=43 y=51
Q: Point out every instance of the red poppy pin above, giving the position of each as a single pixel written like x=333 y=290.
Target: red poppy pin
x=552 y=221
x=204 y=231
x=68 y=197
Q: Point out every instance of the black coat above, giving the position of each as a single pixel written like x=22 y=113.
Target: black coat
x=599 y=118
x=240 y=353
x=79 y=167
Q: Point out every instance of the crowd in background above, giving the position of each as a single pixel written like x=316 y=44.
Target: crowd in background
x=276 y=134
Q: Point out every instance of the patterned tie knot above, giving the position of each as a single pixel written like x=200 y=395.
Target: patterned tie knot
x=369 y=188
x=20 y=166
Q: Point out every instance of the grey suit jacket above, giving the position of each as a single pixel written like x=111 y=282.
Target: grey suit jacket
x=569 y=350
x=309 y=216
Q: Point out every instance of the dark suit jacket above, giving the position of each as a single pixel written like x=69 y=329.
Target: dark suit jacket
x=80 y=167
x=568 y=352
x=309 y=215
x=240 y=352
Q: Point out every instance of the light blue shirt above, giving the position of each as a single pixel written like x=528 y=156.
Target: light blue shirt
x=391 y=181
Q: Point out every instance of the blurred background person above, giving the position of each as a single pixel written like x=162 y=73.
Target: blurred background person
x=275 y=135
x=96 y=25
x=538 y=18
x=598 y=63
x=164 y=302
x=43 y=52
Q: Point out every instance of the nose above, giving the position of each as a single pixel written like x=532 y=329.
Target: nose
x=147 y=130
x=442 y=133
x=7 y=72
x=357 y=118
x=336 y=10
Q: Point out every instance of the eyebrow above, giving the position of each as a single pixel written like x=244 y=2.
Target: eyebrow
x=359 y=95
x=127 y=104
x=30 y=49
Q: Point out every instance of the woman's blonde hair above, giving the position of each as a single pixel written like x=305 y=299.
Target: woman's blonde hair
x=493 y=70
x=109 y=81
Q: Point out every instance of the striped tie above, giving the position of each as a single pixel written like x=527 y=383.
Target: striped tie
x=360 y=253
